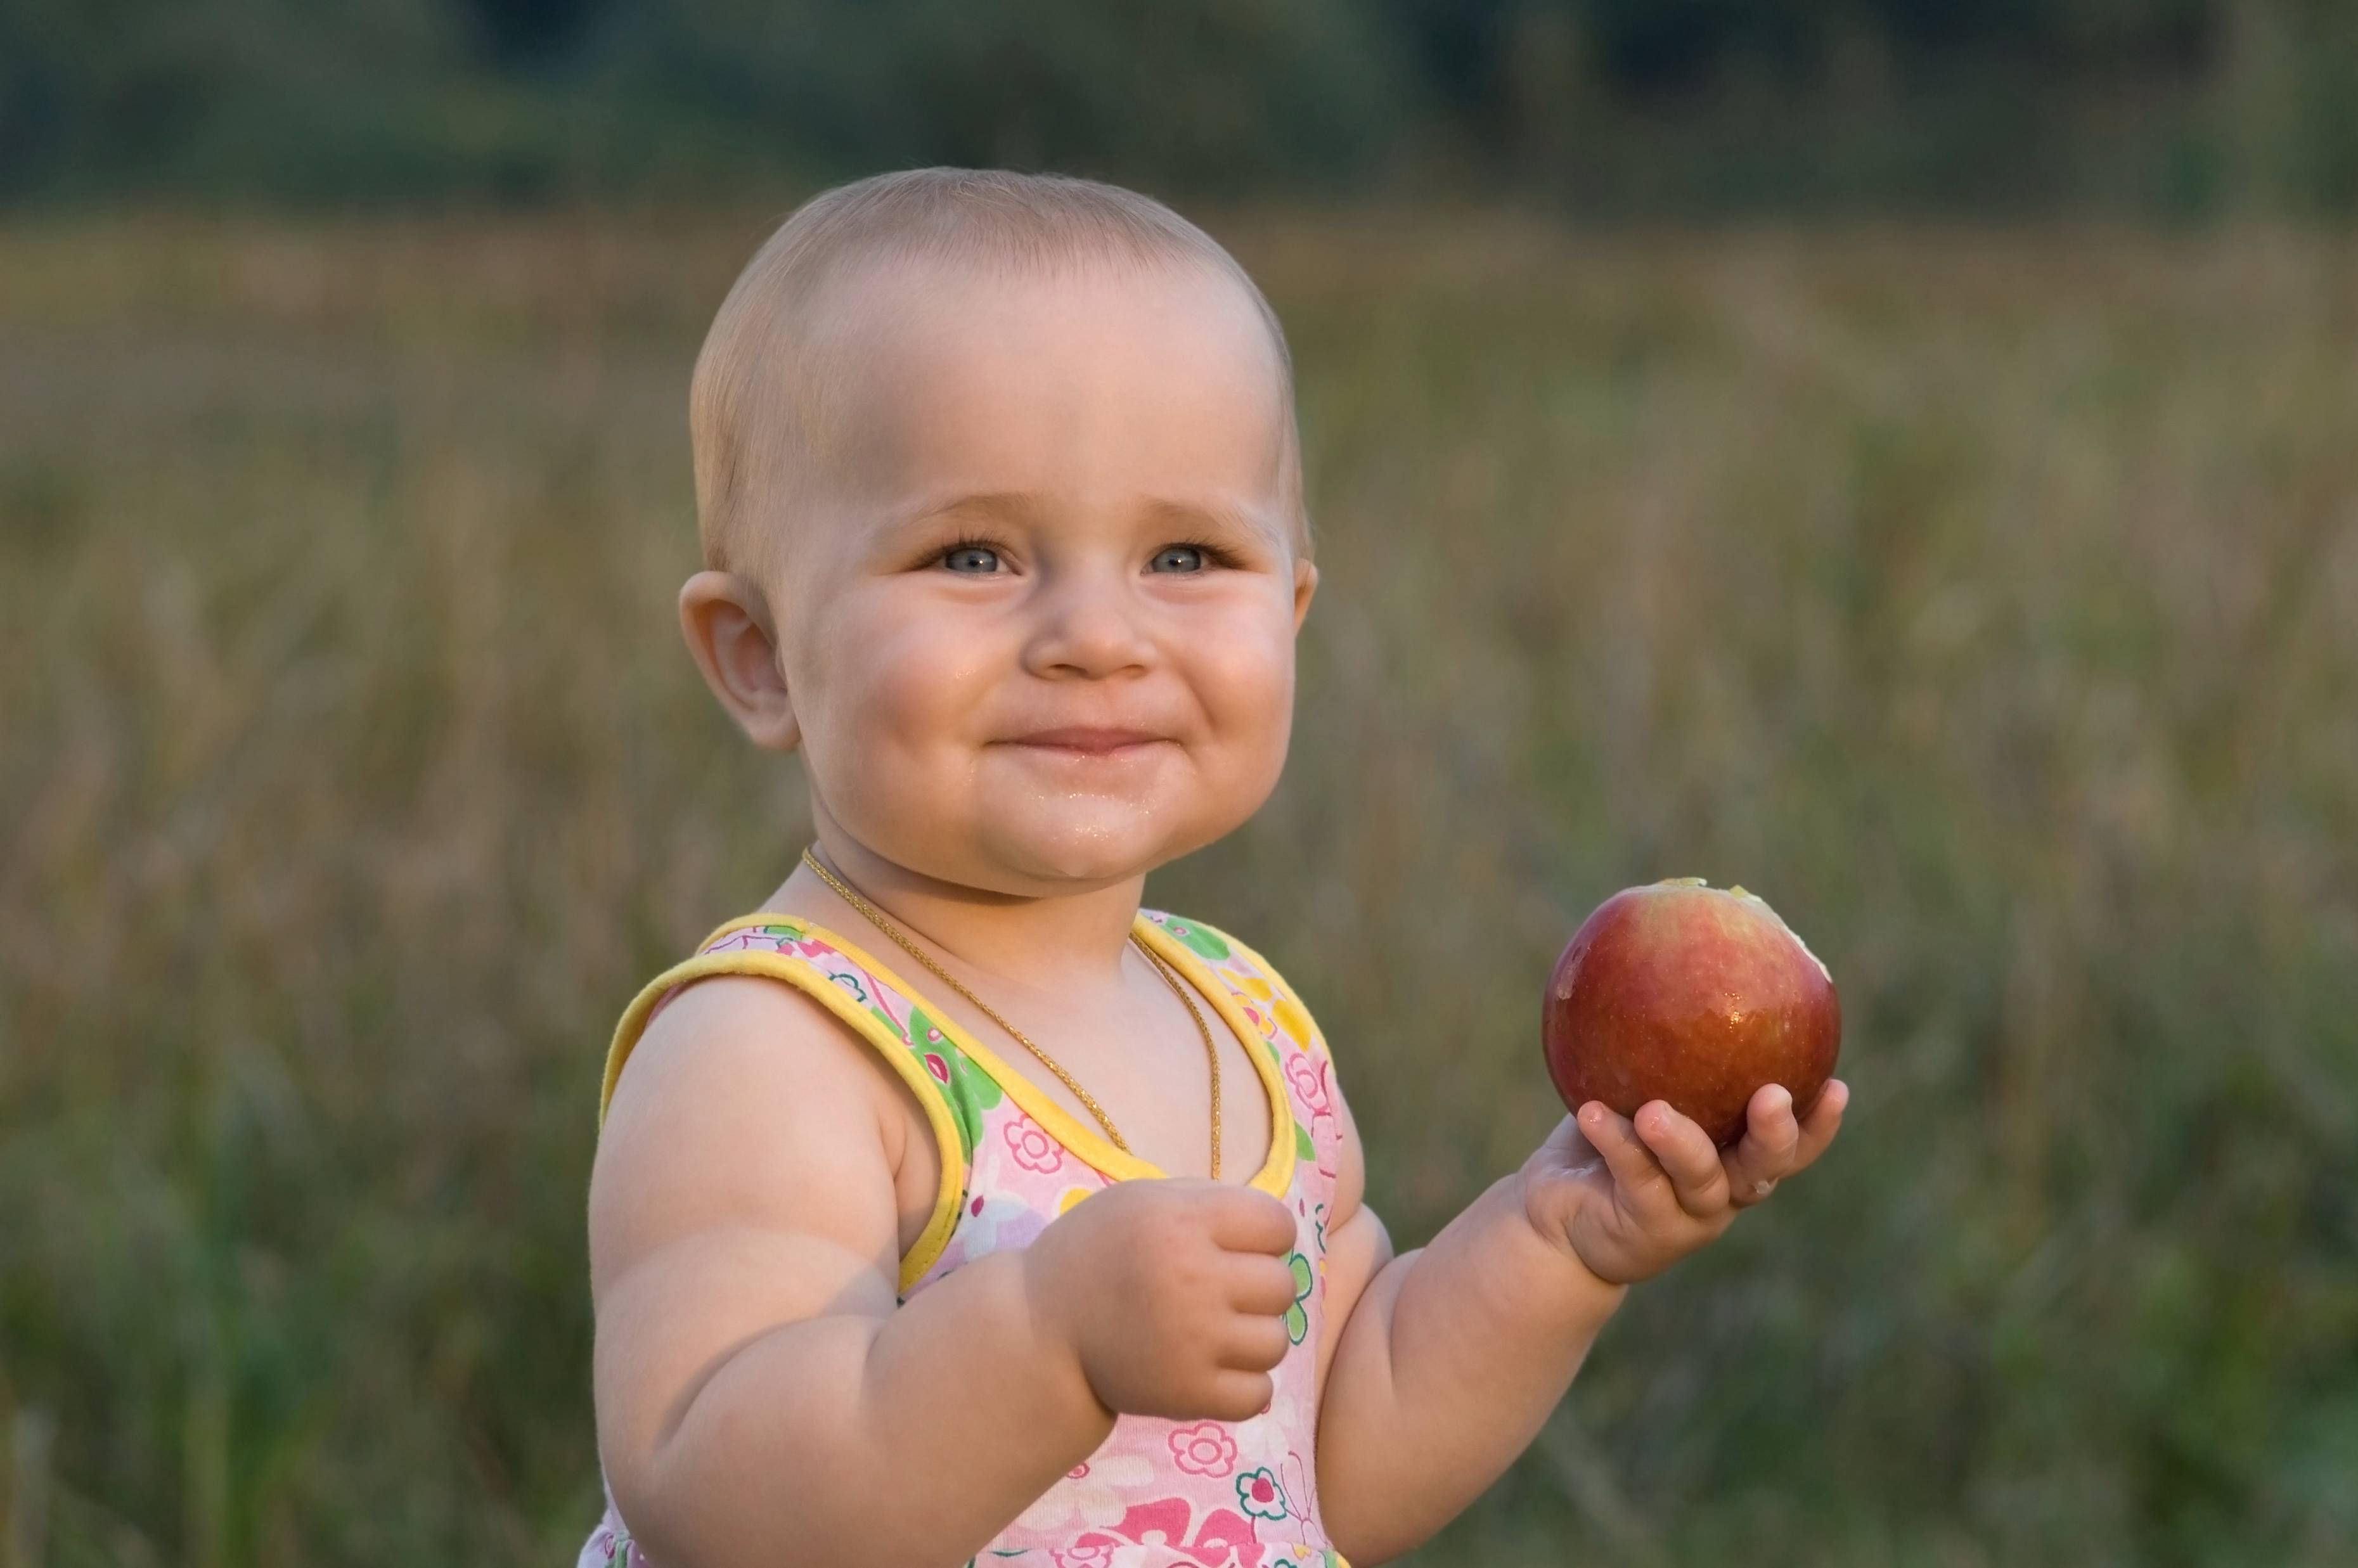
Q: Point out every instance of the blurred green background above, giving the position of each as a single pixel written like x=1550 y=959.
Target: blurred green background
x=1900 y=456
x=2182 y=109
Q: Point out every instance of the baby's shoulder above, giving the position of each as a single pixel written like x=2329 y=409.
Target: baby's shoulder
x=748 y=1148
x=714 y=997
x=729 y=1031
x=824 y=1062
x=774 y=997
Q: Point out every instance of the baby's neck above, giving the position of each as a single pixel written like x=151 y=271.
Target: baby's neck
x=1047 y=944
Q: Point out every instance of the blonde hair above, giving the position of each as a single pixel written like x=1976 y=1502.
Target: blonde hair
x=760 y=398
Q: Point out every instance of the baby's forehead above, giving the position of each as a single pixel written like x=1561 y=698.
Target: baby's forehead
x=859 y=306
x=1157 y=363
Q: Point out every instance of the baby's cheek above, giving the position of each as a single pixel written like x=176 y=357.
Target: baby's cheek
x=913 y=688
x=899 y=716
x=1244 y=679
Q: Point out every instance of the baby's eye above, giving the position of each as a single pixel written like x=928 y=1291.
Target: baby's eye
x=1178 y=558
x=971 y=559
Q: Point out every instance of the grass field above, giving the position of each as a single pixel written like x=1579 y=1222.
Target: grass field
x=1987 y=600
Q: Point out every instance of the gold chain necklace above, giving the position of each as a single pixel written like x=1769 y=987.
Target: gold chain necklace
x=1211 y=1054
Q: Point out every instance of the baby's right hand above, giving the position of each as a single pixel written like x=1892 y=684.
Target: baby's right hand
x=1170 y=1293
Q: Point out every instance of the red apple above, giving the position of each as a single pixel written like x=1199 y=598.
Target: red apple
x=1688 y=993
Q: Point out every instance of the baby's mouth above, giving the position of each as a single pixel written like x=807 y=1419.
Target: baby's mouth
x=1087 y=740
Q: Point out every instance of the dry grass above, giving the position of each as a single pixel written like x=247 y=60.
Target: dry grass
x=1987 y=600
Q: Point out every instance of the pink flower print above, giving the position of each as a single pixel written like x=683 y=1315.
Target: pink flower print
x=1259 y=1494
x=1222 y=1537
x=1032 y=1148
x=938 y=1067
x=1204 y=1449
x=1307 y=1075
x=1227 y=1537
x=1163 y=1522
x=1097 y=1554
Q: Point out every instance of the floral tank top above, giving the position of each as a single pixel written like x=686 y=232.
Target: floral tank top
x=1157 y=1493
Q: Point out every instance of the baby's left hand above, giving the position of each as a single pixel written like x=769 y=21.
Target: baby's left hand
x=1631 y=1200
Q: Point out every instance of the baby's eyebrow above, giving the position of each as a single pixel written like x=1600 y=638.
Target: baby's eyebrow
x=1214 y=514
x=1009 y=503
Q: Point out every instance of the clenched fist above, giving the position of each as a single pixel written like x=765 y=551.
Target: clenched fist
x=1171 y=1293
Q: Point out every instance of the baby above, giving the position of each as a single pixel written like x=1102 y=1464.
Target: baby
x=963 y=1209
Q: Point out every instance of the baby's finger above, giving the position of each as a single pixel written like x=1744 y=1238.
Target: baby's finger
x=1255 y=1343
x=1238 y=1395
x=1687 y=1155
x=1640 y=1177
x=1818 y=1128
x=1767 y=1151
x=1245 y=1219
x=1260 y=1284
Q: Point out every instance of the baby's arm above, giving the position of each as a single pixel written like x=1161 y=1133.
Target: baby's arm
x=761 y=1399
x=1446 y=1360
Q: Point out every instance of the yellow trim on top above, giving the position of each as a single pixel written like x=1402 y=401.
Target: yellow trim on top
x=1091 y=1146
x=798 y=973
x=1277 y=1173
x=1274 y=1177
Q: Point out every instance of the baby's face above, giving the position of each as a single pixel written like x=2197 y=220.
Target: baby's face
x=1037 y=624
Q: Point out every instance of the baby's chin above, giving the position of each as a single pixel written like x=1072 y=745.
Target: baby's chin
x=1079 y=843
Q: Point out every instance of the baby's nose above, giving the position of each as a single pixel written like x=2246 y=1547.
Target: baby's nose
x=1088 y=628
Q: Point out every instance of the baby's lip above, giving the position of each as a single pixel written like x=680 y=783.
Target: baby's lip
x=1079 y=738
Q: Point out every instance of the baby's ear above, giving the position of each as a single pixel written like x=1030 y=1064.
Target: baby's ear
x=1305 y=583
x=726 y=620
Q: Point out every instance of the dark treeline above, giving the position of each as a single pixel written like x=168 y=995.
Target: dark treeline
x=2178 y=107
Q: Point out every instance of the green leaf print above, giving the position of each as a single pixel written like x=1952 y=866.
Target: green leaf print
x=1195 y=937
x=971 y=1091
x=1297 y=1321
x=1301 y=1145
x=972 y=1082
x=968 y=1120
